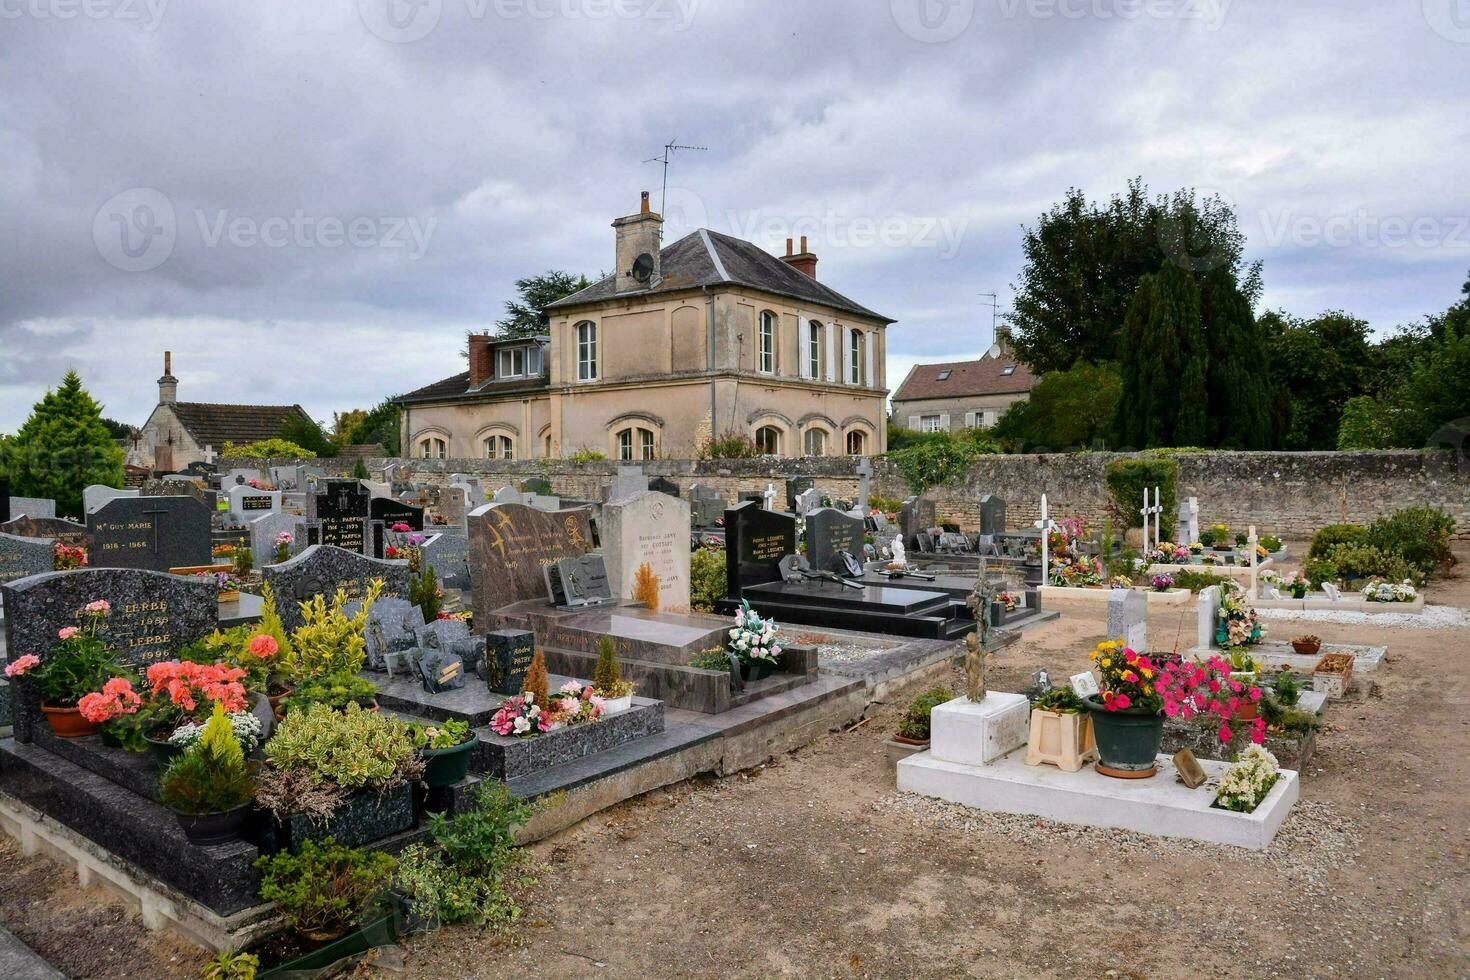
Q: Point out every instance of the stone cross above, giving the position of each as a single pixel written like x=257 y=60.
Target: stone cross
x=1046 y=525
x=1189 y=517
x=769 y=496
x=1158 y=512
x=980 y=600
x=208 y=455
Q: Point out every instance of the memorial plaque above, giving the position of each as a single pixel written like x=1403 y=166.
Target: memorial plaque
x=322 y=570
x=342 y=508
x=509 y=545
x=830 y=532
x=648 y=528
x=508 y=655
x=156 y=533
x=391 y=628
x=440 y=671
x=22 y=557
x=755 y=542
x=55 y=528
x=579 y=581
x=248 y=503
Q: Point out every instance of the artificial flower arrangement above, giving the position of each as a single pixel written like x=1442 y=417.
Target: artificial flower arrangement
x=226 y=583
x=1298 y=583
x=405 y=545
x=753 y=641
x=1009 y=601
x=573 y=704
x=1381 y=590
x=77 y=666
x=1197 y=548
x=282 y=546
x=1120 y=582
x=65 y=557
x=1162 y=583
x=1245 y=784
x=1076 y=570
x=1168 y=553
x=1239 y=625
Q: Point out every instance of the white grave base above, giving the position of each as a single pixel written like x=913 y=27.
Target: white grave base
x=968 y=733
x=1161 y=806
x=1279 y=653
x=1348 y=603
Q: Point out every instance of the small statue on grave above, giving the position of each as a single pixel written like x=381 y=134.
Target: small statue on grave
x=975 y=667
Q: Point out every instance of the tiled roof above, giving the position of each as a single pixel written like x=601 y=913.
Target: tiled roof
x=215 y=425
x=458 y=386
x=965 y=379
x=688 y=264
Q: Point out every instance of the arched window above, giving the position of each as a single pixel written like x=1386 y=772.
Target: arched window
x=546 y=445
x=767 y=363
x=813 y=352
x=856 y=443
x=814 y=443
x=586 y=351
x=635 y=442
x=431 y=447
x=500 y=447
x=768 y=440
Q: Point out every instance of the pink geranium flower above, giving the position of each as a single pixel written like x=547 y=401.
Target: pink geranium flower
x=20 y=665
x=100 y=606
x=67 y=632
x=264 y=645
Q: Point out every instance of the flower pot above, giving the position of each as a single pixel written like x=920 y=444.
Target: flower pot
x=68 y=722
x=162 y=750
x=232 y=596
x=1127 y=741
x=612 y=705
x=445 y=767
x=1306 y=649
x=1061 y=739
x=754 y=670
x=376 y=930
x=276 y=699
x=1248 y=711
x=899 y=748
x=213 y=828
x=922 y=743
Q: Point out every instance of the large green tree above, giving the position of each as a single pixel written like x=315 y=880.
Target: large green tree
x=1239 y=400
x=63 y=447
x=1164 y=400
x=526 y=316
x=378 y=424
x=1319 y=364
x=1084 y=262
x=1071 y=409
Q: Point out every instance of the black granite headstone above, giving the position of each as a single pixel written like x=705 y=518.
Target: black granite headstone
x=55 y=528
x=322 y=570
x=508 y=655
x=829 y=533
x=755 y=542
x=795 y=486
x=342 y=508
x=155 y=533
x=4 y=500
x=992 y=514
x=663 y=484
x=23 y=557
x=387 y=512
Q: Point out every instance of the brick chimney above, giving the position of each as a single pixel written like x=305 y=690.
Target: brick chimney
x=804 y=262
x=482 y=366
x=168 y=385
x=638 y=234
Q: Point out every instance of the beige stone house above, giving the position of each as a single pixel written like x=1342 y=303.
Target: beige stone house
x=179 y=433
x=709 y=334
x=962 y=394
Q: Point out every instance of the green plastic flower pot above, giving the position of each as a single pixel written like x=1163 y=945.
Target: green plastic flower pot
x=754 y=670
x=1127 y=741
x=445 y=767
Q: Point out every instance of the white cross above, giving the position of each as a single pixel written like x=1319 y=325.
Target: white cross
x=769 y=495
x=1145 y=510
x=1158 y=511
x=209 y=455
x=1046 y=525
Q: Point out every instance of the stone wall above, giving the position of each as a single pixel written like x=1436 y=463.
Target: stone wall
x=1290 y=494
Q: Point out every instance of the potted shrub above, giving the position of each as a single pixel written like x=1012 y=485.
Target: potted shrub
x=446 y=748
x=1207 y=538
x=77 y=666
x=180 y=692
x=607 y=680
x=913 y=727
x=753 y=640
x=1246 y=783
x=1307 y=645
x=1333 y=674
x=209 y=787
x=1221 y=537
x=1127 y=717
x=1061 y=731
x=331 y=897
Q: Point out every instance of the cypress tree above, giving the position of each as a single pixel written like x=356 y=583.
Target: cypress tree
x=1129 y=420
x=1240 y=409
x=63 y=447
x=1164 y=391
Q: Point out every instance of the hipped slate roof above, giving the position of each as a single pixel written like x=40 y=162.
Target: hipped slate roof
x=689 y=264
x=215 y=425
x=966 y=379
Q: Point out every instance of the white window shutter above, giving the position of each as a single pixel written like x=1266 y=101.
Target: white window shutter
x=914 y=423
x=803 y=344
x=848 y=337
x=868 y=339
x=943 y=422
x=969 y=420
x=832 y=330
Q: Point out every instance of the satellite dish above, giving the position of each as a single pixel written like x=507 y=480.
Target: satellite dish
x=643 y=267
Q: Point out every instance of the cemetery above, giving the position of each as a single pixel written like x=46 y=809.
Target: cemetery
x=178 y=662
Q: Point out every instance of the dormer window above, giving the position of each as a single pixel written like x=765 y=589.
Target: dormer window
x=519 y=362
x=1008 y=370
x=943 y=376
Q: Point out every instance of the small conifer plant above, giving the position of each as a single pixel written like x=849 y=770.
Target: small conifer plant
x=607 y=679
x=537 y=684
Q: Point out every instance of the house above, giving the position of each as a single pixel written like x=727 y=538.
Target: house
x=710 y=335
x=179 y=433
x=963 y=394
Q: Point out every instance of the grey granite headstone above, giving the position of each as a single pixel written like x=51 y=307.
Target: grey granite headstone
x=508 y=495
x=55 y=528
x=156 y=533
x=440 y=671
x=96 y=495
x=448 y=553
x=1128 y=618
x=628 y=481
x=648 y=528
x=582 y=580
x=152 y=616
x=508 y=655
x=795 y=487
x=707 y=506
x=248 y=503
x=828 y=533
x=322 y=570
x=21 y=557
x=807 y=501
x=263 y=532
x=441 y=634
x=391 y=628
x=32 y=507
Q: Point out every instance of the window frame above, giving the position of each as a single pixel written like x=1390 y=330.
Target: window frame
x=925 y=420
x=774 y=440
x=624 y=439
x=814 y=349
x=587 y=366
x=862 y=439
x=811 y=435
x=647 y=446
x=766 y=343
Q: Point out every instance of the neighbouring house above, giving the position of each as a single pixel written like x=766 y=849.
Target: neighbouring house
x=179 y=433
x=710 y=335
x=963 y=394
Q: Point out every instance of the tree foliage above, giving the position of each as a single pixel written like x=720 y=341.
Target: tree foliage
x=1071 y=409
x=1163 y=401
x=308 y=435
x=526 y=315
x=380 y=424
x=63 y=447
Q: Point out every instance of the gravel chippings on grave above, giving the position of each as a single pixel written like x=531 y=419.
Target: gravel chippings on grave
x=1432 y=618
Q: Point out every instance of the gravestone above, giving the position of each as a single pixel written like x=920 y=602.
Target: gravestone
x=509 y=544
x=662 y=484
x=29 y=507
x=865 y=486
x=240 y=477
x=915 y=517
x=179 y=486
x=454 y=504
x=626 y=482
x=1128 y=618
x=322 y=570
x=578 y=582
x=342 y=508
x=807 y=501
x=1189 y=521
x=199 y=468
x=55 y=528
x=22 y=557
x=707 y=506
x=248 y=503
x=391 y=628
x=542 y=502
x=992 y=514
x=508 y=655
x=288 y=477
x=795 y=487
x=152 y=616
x=756 y=540
x=155 y=533
x=508 y=495
x=388 y=512
x=830 y=532
x=1207 y=608
x=96 y=495
x=648 y=528
x=378 y=489
x=441 y=634
x=263 y=532
x=5 y=511
x=449 y=555
x=440 y=671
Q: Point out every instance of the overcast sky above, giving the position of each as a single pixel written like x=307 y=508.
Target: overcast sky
x=312 y=200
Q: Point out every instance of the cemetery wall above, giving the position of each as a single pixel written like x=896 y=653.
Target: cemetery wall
x=1290 y=494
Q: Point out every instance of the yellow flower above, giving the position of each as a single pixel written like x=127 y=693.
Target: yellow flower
x=1107 y=663
x=1147 y=672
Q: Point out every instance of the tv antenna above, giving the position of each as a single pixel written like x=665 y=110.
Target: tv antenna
x=669 y=149
x=994 y=305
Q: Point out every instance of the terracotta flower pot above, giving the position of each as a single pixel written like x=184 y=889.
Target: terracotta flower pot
x=904 y=740
x=1306 y=649
x=68 y=722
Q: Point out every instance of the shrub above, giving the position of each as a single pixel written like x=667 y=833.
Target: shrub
x=1197 y=582
x=942 y=460
x=1319 y=571
x=537 y=683
x=1271 y=543
x=586 y=456
x=706 y=578
x=731 y=445
x=1419 y=535
x=359 y=470
x=323 y=889
x=1127 y=479
x=714 y=658
x=212 y=776
x=1330 y=536
x=231 y=966
x=267 y=449
x=888 y=505
x=1365 y=561
x=354 y=749
x=1206 y=537
x=336 y=691
x=645 y=587
x=244 y=561
x=328 y=641
x=423 y=591
x=607 y=679
x=915 y=721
